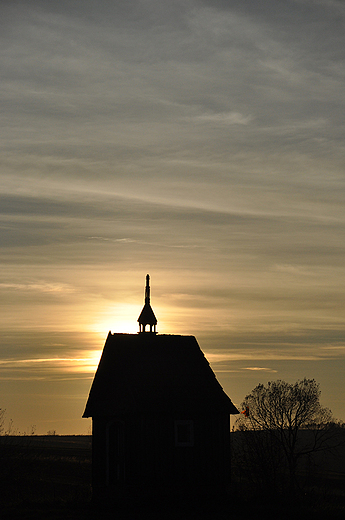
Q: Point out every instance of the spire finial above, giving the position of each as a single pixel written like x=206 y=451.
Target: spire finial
x=147 y=289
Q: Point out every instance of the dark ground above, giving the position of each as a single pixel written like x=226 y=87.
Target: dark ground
x=49 y=477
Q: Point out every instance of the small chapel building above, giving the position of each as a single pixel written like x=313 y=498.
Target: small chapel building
x=159 y=416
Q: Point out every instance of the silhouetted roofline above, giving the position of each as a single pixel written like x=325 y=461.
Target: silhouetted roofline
x=149 y=373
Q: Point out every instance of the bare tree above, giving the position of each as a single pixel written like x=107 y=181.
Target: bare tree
x=273 y=420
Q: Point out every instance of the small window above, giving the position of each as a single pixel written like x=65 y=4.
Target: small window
x=184 y=433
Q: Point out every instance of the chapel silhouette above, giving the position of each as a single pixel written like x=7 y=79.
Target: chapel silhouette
x=159 y=416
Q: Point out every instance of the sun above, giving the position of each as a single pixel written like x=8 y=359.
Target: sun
x=123 y=326
x=118 y=319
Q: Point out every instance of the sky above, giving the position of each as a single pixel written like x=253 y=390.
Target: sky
x=199 y=141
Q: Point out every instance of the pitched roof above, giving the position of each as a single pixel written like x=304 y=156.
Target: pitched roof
x=147 y=316
x=154 y=373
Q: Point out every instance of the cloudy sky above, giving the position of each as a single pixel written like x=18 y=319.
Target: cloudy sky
x=199 y=141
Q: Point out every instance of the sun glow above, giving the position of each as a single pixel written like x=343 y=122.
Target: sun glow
x=119 y=318
x=87 y=363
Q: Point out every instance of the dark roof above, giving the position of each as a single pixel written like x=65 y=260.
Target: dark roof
x=154 y=373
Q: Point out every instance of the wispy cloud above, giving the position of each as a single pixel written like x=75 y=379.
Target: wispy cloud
x=45 y=368
x=276 y=354
x=39 y=287
x=260 y=369
x=231 y=118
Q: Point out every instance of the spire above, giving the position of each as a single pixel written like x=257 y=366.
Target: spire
x=147 y=290
x=147 y=316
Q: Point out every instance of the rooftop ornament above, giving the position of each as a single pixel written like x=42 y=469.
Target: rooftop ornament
x=147 y=316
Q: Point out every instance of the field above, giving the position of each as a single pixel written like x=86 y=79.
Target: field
x=41 y=475
x=49 y=477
